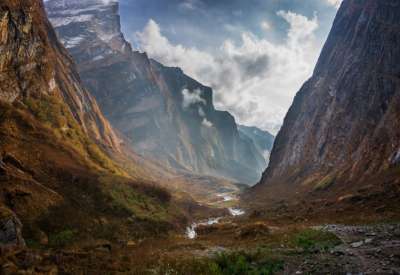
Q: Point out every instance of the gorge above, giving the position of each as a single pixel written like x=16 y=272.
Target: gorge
x=113 y=163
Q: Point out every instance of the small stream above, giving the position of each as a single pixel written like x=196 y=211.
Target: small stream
x=191 y=230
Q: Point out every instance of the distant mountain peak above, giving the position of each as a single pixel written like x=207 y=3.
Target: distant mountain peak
x=98 y=22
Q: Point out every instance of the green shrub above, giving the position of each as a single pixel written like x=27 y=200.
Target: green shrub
x=248 y=264
x=310 y=240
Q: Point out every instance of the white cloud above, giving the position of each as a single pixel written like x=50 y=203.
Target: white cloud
x=201 y=112
x=265 y=25
x=192 y=98
x=190 y=5
x=334 y=3
x=207 y=123
x=257 y=79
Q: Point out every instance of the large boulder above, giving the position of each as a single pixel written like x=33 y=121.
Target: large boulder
x=10 y=230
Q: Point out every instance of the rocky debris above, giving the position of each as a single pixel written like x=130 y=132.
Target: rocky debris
x=357 y=244
x=10 y=230
x=29 y=262
x=375 y=248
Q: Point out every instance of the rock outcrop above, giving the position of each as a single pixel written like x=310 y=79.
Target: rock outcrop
x=10 y=230
x=165 y=114
x=341 y=136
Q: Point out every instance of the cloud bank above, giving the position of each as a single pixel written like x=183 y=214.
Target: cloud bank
x=255 y=79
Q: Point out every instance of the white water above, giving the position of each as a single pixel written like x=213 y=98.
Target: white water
x=236 y=211
x=226 y=197
x=191 y=230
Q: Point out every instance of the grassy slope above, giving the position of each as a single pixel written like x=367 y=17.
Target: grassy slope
x=58 y=180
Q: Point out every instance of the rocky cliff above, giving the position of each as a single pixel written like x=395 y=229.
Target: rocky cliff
x=57 y=170
x=341 y=137
x=263 y=140
x=165 y=114
x=35 y=65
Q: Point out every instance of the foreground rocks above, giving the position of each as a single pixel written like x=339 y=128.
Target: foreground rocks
x=374 y=249
x=10 y=231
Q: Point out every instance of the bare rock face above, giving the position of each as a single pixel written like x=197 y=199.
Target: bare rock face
x=33 y=64
x=165 y=114
x=263 y=140
x=342 y=132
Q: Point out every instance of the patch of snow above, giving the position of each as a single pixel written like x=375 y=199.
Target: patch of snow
x=63 y=21
x=99 y=57
x=78 y=11
x=72 y=42
x=107 y=37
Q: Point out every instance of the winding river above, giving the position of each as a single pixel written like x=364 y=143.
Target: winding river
x=191 y=230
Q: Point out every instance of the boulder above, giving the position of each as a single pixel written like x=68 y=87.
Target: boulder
x=10 y=230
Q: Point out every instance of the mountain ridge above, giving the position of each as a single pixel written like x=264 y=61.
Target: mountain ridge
x=164 y=113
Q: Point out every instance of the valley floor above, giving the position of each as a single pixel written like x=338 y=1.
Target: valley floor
x=235 y=245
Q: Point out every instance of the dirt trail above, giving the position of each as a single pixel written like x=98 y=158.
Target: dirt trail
x=373 y=249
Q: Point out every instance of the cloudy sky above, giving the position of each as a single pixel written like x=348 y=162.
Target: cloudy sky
x=255 y=54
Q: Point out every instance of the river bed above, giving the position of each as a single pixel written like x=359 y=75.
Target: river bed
x=191 y=230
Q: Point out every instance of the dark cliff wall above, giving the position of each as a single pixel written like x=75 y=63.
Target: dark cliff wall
x=342 y=132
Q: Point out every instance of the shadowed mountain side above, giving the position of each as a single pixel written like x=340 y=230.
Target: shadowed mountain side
x=339 y=146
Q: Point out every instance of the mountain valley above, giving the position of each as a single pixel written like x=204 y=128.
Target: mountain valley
x=113 y=163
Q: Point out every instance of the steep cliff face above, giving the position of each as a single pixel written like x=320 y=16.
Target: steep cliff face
x=35 y=65
x=164 y=113
x=56 y=170
x=263 y=140
x=341 y=135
